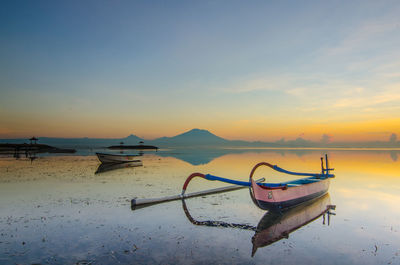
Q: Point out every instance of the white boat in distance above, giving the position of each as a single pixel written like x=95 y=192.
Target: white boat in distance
x=111 y=158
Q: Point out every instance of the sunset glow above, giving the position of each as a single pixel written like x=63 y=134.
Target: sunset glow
x=257 y=71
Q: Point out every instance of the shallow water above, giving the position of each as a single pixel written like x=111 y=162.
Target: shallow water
x=56 y=210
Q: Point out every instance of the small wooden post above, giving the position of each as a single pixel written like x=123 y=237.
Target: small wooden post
x=322 y=166
x=327 y=164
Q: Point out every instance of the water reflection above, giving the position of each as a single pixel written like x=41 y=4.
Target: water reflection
x=31 y=155
x=202 y=156
x=104 y=167
x=215 y=223
x=393 y=155
x=276 y=225
x=86 y=217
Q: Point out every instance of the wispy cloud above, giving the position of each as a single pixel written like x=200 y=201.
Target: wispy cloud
x=296 y=84
x=264 y=83
x=367 y=35
x=387 y=95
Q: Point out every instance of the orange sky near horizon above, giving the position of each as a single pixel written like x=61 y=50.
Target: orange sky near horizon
x=376 y=130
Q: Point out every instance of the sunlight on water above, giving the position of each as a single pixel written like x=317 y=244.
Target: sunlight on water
x=56 y=210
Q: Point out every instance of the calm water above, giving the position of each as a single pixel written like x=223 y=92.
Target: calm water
x=56 y=210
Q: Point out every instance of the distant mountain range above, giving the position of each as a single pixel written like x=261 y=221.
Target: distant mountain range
x=200 y=138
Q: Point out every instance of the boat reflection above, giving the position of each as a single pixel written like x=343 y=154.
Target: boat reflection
x=104 y=167
x=276 y=225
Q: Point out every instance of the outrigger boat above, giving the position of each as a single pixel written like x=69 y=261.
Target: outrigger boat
x=111 y=158
x=265 y=195
x=283 y=194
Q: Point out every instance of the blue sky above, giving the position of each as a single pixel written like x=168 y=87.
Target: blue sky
x=257 y=70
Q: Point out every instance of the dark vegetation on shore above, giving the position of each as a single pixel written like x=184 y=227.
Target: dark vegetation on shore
x=36 y=148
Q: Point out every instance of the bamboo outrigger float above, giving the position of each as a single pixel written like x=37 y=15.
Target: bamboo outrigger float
x=265 y=195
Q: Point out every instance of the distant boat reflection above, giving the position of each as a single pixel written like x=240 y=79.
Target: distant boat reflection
x=275 y=225
x=104 y=167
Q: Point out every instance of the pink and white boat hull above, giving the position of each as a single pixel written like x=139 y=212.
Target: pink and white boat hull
x=283 y=197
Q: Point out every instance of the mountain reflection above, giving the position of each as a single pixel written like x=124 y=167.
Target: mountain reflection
x=202 y=156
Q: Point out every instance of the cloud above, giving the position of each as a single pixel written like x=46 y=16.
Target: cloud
x=390 y=69
x=368 y=34
x=297 y=91
x=393 y=138
x=326 y=138
x=296 y=84
x=257 y=84
x=386 y=95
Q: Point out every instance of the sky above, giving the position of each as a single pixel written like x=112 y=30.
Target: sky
x=251 y=70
